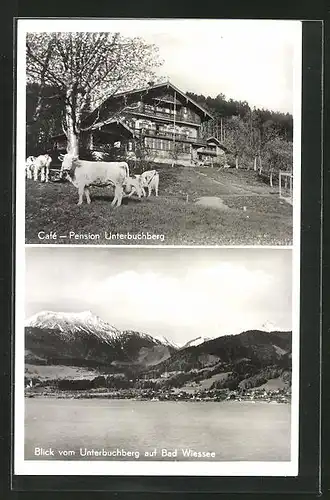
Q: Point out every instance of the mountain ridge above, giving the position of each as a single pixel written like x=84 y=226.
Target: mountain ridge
x=84 y=338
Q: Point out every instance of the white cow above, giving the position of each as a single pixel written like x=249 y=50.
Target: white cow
x=83 y=173
x=41 y=164
x=29 y=166
x=150 y=180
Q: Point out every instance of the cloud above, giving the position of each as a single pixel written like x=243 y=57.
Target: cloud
x=248 y=60
x=220 y=299
x=176 y=293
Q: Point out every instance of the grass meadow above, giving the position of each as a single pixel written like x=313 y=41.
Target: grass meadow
x=203 y=206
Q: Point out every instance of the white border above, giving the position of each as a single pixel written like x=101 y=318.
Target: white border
x=34 y=467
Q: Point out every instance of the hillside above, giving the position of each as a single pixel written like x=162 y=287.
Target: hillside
x=82 y=351
x=242 y=362
x=259 y=347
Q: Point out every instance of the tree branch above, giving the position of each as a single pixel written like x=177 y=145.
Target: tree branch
x=50 y=75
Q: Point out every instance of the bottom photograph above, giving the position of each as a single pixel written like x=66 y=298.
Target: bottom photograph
x=167 y=355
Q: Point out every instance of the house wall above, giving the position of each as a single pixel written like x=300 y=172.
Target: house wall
x=167 y=145
x=151 y=126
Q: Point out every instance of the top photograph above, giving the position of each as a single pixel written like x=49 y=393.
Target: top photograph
x=158 y=132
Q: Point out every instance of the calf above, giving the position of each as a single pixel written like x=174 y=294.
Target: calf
x=29 y=166
x=41 y=164
x=150 y=180
x=83 y=174
x=133 y=185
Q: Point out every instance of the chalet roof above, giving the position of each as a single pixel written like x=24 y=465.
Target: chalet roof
x=219 y=144
x=214 y=139
x=114 y=125
x=159 y=86
x=123 y=127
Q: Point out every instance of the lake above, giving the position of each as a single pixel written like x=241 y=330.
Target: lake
x=109 y=429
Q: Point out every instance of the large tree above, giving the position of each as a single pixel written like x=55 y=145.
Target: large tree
x=236 y=138
x=84 y=69
x=279 y=157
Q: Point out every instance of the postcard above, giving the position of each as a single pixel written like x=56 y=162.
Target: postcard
x=157 y=288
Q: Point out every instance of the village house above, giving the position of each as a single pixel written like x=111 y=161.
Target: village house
x=212 y=152
x=158 y=123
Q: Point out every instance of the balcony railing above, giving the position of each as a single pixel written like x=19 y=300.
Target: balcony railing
x=208 y=151
x=169 y=135
x=179 y=116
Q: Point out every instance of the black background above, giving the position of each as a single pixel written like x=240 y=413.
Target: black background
x=313 y=479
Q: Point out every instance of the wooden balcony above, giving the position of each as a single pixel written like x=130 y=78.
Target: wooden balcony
x=149 y=111
x=207 y=151
x=170 y=135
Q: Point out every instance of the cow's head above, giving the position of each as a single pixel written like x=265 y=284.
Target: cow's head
x=147 y=177
x=139 y=187
x=30 y=160
x=134 y=185
x=68 y=161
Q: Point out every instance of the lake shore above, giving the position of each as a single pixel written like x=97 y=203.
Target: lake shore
x=260 y=395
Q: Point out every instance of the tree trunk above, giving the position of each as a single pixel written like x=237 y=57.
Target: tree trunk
x=89 y=141
x=72 y=120
x=255 y=164
x=271 y=178
x=72 y=143
x=260 y=165
x=71 y=133
x=236 y=162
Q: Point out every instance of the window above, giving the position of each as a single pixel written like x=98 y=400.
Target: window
x=149 y=108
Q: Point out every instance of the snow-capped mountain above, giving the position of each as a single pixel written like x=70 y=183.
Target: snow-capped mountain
x=83 y=336
x=167 y=342
x=70 y=323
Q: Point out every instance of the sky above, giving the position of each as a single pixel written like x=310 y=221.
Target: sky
x=179 y=293
x=249 y=60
